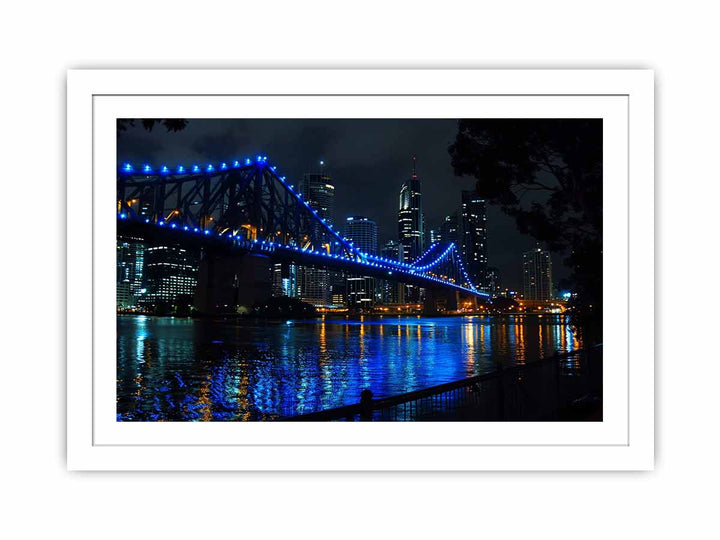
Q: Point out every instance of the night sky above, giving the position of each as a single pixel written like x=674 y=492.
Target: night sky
x=367 y=159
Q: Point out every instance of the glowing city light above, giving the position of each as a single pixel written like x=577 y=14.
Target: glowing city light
x=424 y=267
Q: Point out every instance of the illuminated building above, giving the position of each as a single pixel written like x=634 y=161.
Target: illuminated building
x=169 y=273
x=450 y=229
x=362 y=233
x=319 y=192
x=314 y=284
x=130 y=260
x=284 y=279
x=360 y=291
x=410 y=216
x=493 y=280
x=390 y=291
x=537 y=275
x=393 y=250
x=473 y=246
x=337 y=298
x=434 y=236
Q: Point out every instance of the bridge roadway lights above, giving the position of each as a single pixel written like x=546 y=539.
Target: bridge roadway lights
x=438 y=300
x=229 y=282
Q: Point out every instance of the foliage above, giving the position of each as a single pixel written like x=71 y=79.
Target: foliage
x=547 y=174
x=170 y=124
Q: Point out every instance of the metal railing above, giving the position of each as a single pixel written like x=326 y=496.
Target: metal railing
x=565 y=386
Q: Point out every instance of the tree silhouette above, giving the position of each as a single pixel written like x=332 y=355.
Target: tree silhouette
x=547 y=174
x=170 y=124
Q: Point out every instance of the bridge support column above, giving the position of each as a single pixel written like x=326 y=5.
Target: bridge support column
x=231 y=283
x=438 y=300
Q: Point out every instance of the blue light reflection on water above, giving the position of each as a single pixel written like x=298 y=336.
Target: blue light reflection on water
x=183 y=369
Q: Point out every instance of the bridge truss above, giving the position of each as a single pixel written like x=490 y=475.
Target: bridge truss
x=249 y=206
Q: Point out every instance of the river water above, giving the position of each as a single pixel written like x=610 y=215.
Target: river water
x=180 y=369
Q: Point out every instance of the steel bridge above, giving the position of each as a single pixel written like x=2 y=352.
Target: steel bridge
x=246 y=207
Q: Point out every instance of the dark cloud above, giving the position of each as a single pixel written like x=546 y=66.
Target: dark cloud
x=139 y=146
x=217 y=147
x=367 y=158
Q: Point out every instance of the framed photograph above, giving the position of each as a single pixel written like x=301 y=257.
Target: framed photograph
x=360 y=270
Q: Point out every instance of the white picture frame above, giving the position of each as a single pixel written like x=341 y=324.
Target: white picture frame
x=623 y=98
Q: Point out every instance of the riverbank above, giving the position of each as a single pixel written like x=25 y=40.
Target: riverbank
x=562 y=387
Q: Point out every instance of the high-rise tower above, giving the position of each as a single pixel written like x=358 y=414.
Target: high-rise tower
x=318 y=191
x=474 y=237
x=410 y=216
x=392 y=292
x=537 y=275
x=130 y=260
x=362 y=232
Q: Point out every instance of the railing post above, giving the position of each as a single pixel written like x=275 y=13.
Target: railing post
x=501 y=391
x=366 y=405
x=558 y=390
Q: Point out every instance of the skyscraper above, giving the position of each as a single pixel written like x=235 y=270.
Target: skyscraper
x=392 y=292
x=410 y=216
x=360 y=291
x=434 y=236
x=393 y=250
x=450 y=230
x=130 y=262
x=315 y=284
x=474 y=237
x=362 y=232
x=537 y=275
x=319 y=192
x=170 y=272
x=284 y=279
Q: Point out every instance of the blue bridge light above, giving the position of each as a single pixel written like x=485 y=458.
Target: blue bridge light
x=440 y=263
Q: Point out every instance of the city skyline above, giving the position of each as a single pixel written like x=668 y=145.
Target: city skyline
x=262 y=300
x=365 y=186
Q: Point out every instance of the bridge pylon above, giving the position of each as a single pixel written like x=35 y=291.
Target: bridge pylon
x=231 y=283
x=438 y=300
